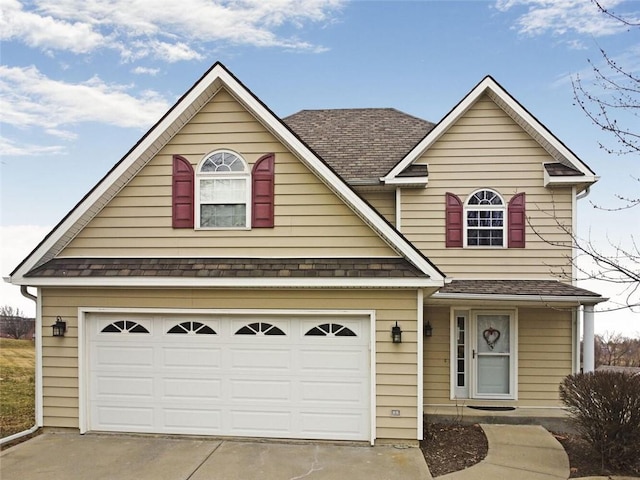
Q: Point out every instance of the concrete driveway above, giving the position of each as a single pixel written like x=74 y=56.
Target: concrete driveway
x=68 y=456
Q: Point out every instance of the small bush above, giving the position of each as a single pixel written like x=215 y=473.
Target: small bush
x=605 y=409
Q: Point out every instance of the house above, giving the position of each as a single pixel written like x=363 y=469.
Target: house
x=329 y=275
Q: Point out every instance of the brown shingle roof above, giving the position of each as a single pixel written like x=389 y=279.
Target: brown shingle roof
x=228 y=267
x=515 y=287
x=558 y=169
x=360 y=144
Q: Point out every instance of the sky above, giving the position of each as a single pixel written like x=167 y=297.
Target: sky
x=82 y=80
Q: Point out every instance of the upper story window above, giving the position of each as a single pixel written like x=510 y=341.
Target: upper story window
x=485 y=219
x=223 y=191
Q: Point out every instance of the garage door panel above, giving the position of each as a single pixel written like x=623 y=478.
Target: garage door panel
x=265 y=422
x=125 y=355
x=264 y=359
x=191 y=389
x=121 y=417
x=272 y=381
x=116 y=387
x=332 y=393
x=192 y=420
x=192 y=358
x=256 y=390
x=332 y=361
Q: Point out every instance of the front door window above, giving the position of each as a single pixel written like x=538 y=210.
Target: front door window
x=493 y=355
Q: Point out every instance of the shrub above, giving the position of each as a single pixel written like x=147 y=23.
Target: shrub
x=605 y=409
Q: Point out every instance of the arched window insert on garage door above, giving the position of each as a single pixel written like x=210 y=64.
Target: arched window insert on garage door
x=332 y=330
x=124 y=326
x=192 y=328
x=260 y=328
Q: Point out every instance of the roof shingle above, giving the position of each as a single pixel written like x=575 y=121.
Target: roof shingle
x=228 y=267
x=544 y=288
x=360 y=144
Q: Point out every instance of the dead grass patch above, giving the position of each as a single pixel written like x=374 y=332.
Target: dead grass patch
x=17 y=386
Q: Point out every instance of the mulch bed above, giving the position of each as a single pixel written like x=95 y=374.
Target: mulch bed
x=585 y=462
x=450 y=447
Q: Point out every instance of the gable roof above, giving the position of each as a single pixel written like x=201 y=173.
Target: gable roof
x=361 y=144
x=554 y=147
x=180 y=114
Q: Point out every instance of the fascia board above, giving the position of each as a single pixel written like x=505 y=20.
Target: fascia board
x=407 y=181
x=271 y=122
x=568 y=179
x=151 y=282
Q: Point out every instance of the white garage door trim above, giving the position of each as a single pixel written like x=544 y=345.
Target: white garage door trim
x=84 y=338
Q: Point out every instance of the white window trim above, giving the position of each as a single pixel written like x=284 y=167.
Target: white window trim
x=502 y=208
x=471 y=337
x=246 y=176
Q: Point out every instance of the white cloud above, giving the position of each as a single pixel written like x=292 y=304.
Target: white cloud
x=46 y=32
x=29 y=98
x=164 y=29
x=562 y=17
x=10 y=148
x=146 y=71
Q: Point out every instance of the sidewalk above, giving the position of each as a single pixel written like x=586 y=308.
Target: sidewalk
x=525 y=452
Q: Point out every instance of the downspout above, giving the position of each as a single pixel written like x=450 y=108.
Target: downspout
x=38 y=332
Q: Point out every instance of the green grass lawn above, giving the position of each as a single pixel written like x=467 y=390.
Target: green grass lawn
x=17 y=386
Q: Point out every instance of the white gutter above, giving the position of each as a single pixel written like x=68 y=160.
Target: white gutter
x=24 y=433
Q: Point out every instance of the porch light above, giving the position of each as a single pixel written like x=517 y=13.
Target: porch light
x=396 y=333
x=59 y=328
x=428 y=329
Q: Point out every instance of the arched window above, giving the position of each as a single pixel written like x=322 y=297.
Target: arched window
x=223 y=191
x=485 y=219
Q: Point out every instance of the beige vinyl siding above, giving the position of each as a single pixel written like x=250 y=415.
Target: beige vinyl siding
x=310 y=220
x=383 y=202
x=487 y=149
x=396 y=371
x=544 y=357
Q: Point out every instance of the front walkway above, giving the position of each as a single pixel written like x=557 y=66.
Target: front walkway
x=525 y=452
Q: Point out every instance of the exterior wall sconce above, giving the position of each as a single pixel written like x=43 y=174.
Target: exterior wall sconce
x=59 y=328
x=396 y=333
x=428 y=329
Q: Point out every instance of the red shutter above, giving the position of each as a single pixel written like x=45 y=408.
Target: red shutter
x=517 y=221
x=182 y=193
x=262 y=192
x=454 y=213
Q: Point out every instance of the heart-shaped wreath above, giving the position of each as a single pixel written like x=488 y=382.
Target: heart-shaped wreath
x=491 y=336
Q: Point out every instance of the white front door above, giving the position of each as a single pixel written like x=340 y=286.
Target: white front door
x=492 y=359
x=484 y=351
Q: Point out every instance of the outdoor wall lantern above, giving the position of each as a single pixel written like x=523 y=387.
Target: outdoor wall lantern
x=396 y=333
x=428 y=329
x=59 y=328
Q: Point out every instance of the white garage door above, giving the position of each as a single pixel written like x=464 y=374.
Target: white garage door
x=281 y=377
